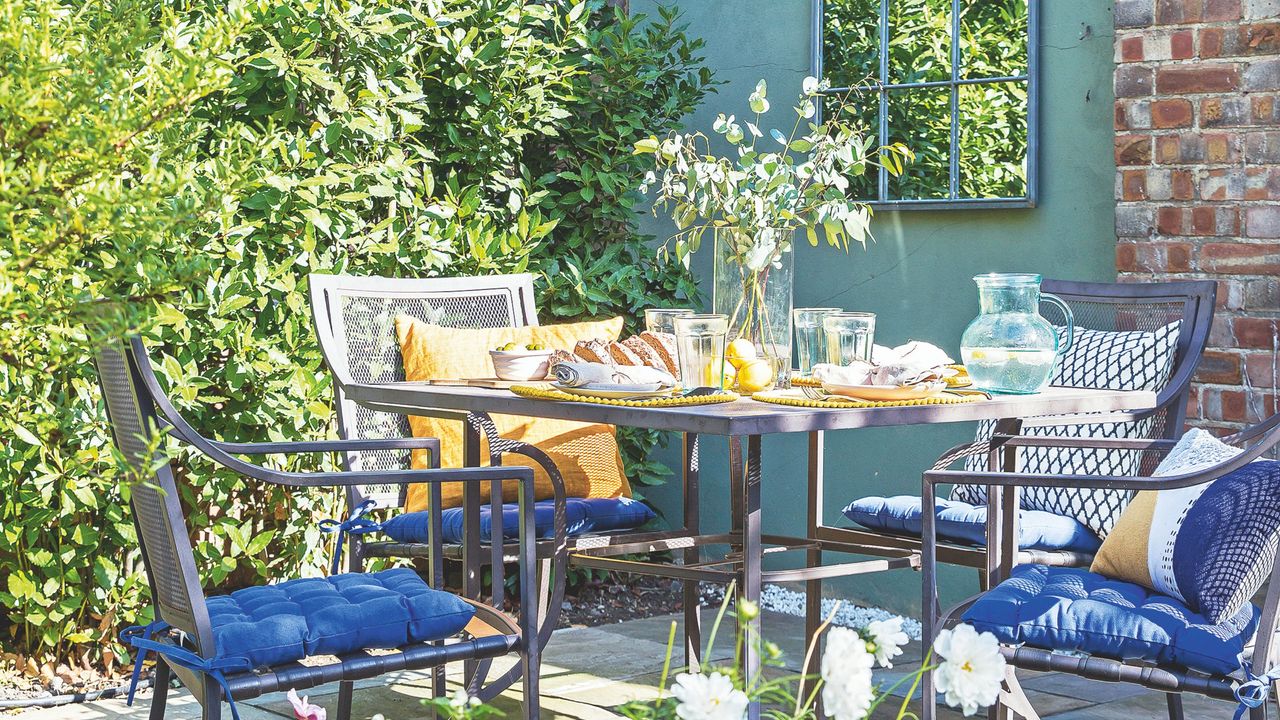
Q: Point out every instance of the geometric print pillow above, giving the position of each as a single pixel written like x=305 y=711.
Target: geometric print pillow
x=1209 y=545
x=1115 y=360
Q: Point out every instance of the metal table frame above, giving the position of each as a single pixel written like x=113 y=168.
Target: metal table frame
x=743 y=423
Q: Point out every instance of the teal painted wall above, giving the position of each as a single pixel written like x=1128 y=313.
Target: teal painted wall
x=917 y=274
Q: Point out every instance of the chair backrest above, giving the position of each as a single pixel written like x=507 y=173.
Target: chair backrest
x=355 y=323
x=154 y=499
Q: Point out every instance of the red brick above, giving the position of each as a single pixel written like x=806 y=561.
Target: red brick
x=1219 y=367
x=1254 y=332
x=1264 y=110
x=1197 y=78
x=1126 y=257
x=1210 y=42
x=1169 y=221
x=1221 y=10
x=1218 y=148
x=1173 y=113
x=1132 y=81
x=1240 y=258
x=1133 y=149
x=1260 y=39
x=1169 y=12
x=1183 y=185
x=1134 y=185
x=1182 y=44
x=1131 y=49
x=1263 y=369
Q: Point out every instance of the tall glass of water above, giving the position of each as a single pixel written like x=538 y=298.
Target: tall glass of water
x=700 y=341
x=811 y=339
x=663 y=319
x=850 y=336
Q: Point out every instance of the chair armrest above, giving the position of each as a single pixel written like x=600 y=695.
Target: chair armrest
x=331 y=446
x=981 y=448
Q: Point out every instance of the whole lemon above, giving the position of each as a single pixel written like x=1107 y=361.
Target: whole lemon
x=727 y=379
x=755 y=376
x=740 y=352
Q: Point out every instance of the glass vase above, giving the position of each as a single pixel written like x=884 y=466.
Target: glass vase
x=757 y=301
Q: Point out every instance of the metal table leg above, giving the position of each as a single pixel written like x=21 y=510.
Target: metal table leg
x=752 y=547
x=692 y=618
x=472 y=573
x=813 y=558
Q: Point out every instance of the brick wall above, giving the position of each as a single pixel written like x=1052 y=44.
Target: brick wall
x=1197 y=85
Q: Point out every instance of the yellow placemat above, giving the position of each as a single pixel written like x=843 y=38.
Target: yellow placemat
x=544 y=391
x=960 y=380
x=798 y=399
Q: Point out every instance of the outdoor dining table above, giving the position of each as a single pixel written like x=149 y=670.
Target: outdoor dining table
x=745 y=422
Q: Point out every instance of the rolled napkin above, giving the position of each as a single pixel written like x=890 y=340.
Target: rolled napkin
x=909 y=364
x=578 y=374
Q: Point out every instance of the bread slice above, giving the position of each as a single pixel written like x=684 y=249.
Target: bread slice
x=560 y=356
x=664 y=344
x=596 y=351
x=623 y=355
x=648 y=356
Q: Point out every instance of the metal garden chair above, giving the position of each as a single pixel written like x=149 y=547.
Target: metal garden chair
x=355 y=324
x=1167 y=678
x=1104 y=307
x=194 y=636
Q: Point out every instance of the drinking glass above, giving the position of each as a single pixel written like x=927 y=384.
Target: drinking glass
x=811 y=339
x=700 y=343
x=850 y=336
x=661 y=319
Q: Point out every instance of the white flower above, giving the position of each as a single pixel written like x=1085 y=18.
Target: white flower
x=460 y=700
x=303 y=710
x=888 y=638
x=846 y=675
x=761 y=251
x=810 y=85
x=972 y=668
x=709 y=696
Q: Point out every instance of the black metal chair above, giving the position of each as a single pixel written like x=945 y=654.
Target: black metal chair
x=1173 y=681
x=1106 y=307
x=184 y=635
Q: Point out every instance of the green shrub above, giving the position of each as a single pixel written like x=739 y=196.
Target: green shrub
x=403 y=138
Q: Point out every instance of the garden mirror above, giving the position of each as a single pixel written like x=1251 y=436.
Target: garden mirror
x=954 y=80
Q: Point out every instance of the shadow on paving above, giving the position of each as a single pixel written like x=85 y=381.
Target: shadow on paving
x=589 y=672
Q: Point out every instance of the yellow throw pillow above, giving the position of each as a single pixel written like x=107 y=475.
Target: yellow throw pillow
x=586 y=453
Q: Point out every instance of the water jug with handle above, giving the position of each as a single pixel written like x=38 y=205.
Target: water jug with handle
x=1009 y=347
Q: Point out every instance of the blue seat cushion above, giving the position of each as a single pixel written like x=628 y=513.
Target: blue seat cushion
x=581 y=516
x=961 y=522
x=276 y=624
x=1057 y=608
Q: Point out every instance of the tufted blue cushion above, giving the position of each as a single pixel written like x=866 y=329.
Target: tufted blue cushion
x=964 y=523
x=581 y=516
x=1074 y=609
x=275 y=624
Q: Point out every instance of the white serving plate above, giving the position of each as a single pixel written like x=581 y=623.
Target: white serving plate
x=886 y=392
x=616 y=392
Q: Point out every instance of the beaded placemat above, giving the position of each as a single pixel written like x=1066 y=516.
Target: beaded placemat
x=799 y=399
x=544 y=391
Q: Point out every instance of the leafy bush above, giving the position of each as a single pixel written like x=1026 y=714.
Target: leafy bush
x=403 y=138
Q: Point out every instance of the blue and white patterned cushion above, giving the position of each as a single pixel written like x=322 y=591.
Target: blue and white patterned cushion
x=1072 y=609
x=964 y=523
x=1114 y=360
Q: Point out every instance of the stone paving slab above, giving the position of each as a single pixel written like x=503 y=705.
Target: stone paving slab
x=588 y=672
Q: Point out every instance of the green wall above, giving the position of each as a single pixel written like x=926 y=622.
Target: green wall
x=917 y=275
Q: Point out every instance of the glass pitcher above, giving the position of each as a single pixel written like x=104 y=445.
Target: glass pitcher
x=1009 y=347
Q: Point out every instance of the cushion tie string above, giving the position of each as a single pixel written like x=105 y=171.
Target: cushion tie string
x=139 y=636
x=355 y=524
x=1254 y=691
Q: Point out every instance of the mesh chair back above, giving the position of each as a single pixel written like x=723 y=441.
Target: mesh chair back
x=1177 y=315
x=355 y=322
x=166 y=545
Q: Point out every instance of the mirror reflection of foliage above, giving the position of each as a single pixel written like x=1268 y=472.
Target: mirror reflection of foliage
x=237 y=154
x=992 y=117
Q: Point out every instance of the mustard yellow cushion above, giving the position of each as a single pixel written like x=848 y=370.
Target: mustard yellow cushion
x=586 y=453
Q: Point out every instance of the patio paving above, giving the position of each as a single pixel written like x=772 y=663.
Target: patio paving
x=589 y=672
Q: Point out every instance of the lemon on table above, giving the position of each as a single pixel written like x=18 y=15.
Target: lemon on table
x=727 y=380
x=740 y=352
x=755 y=376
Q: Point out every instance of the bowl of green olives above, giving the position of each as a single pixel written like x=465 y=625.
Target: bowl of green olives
x=515 y=361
